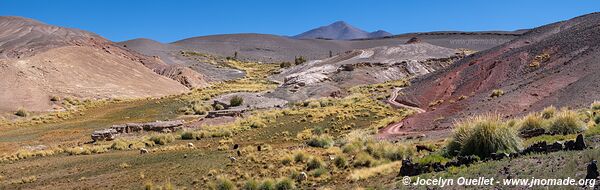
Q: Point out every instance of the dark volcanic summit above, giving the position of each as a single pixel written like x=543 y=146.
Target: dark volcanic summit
x=340 y=30
x=556 y=64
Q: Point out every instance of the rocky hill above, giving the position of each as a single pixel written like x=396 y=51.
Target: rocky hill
x=556 y=64
x=329 y=77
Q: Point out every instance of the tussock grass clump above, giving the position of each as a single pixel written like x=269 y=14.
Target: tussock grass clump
x=236 y=101
x=532 y=122
x=566 y=122
x=162 y=139
x=300 y=157
x=285 y=184
x=549 y=112
x=267 y=184
x=595 y=106
x=250 y=184
x=22 y=112
x=191 y=135
x=364 y=159
x=340 y=162
x=482 y=136
x=314 y=163
x=497 y=93
x=387 y=150
x=323 y=141
x=223 y=184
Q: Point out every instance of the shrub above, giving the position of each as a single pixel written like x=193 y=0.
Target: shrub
x=531 y=122
x=497 y=93
x=597 y=119
x=549 y=112
x=363 y=159
x=300 y=157
x=223 y=184
x=482 y=136
x=219 y=107
x=162 y=139
x=55 y=98
x=188 y=135
x=119 y=145
x=340 y=162
x=314 y=164
x=388 y=150
x=285 y=64
x=236 y=101
x=595 y=105
x=267 y=184
x=285 y=184
x=299 y=60
x=199 y=109
x=566 y=122
x=22 y=112
x=286 y=160
x=250 y=185
x=318 y=172
x=323 y=141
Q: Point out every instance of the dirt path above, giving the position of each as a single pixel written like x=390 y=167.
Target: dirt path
x=396 y=129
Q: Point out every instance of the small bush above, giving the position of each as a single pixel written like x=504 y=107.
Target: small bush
x=300 y=157
x=22 y=112
x=566 y=122
x=223 y=184
x=119 y=145
x=250 y=185
x=299 y=60
x=549 y=112
x=286 y=160
x=363 y=159
x=162 y=139
x=314 y=164
x=219 y=107
x=267 y=184
x=236 y=101
x=55 y=98
x=285 y=184
x=323 y=141
x=188 y=135
x=340 y=162
x=482 y=136
x=497 y=93
x=595 y=106
x=285 y=64
x=531 y=122
x=319 y=172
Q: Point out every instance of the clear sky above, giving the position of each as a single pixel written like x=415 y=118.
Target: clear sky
x=168 y=21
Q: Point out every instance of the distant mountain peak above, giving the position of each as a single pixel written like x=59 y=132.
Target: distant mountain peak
x=340 y=30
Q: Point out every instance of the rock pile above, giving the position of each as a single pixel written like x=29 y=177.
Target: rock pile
x=158 y=126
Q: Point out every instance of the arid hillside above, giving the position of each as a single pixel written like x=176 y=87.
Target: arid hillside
x=271 y=48
x=331 y=76
x=39 y=61
x=556 y=64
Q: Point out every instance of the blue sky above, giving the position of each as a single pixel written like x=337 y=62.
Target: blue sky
x=168 y=21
